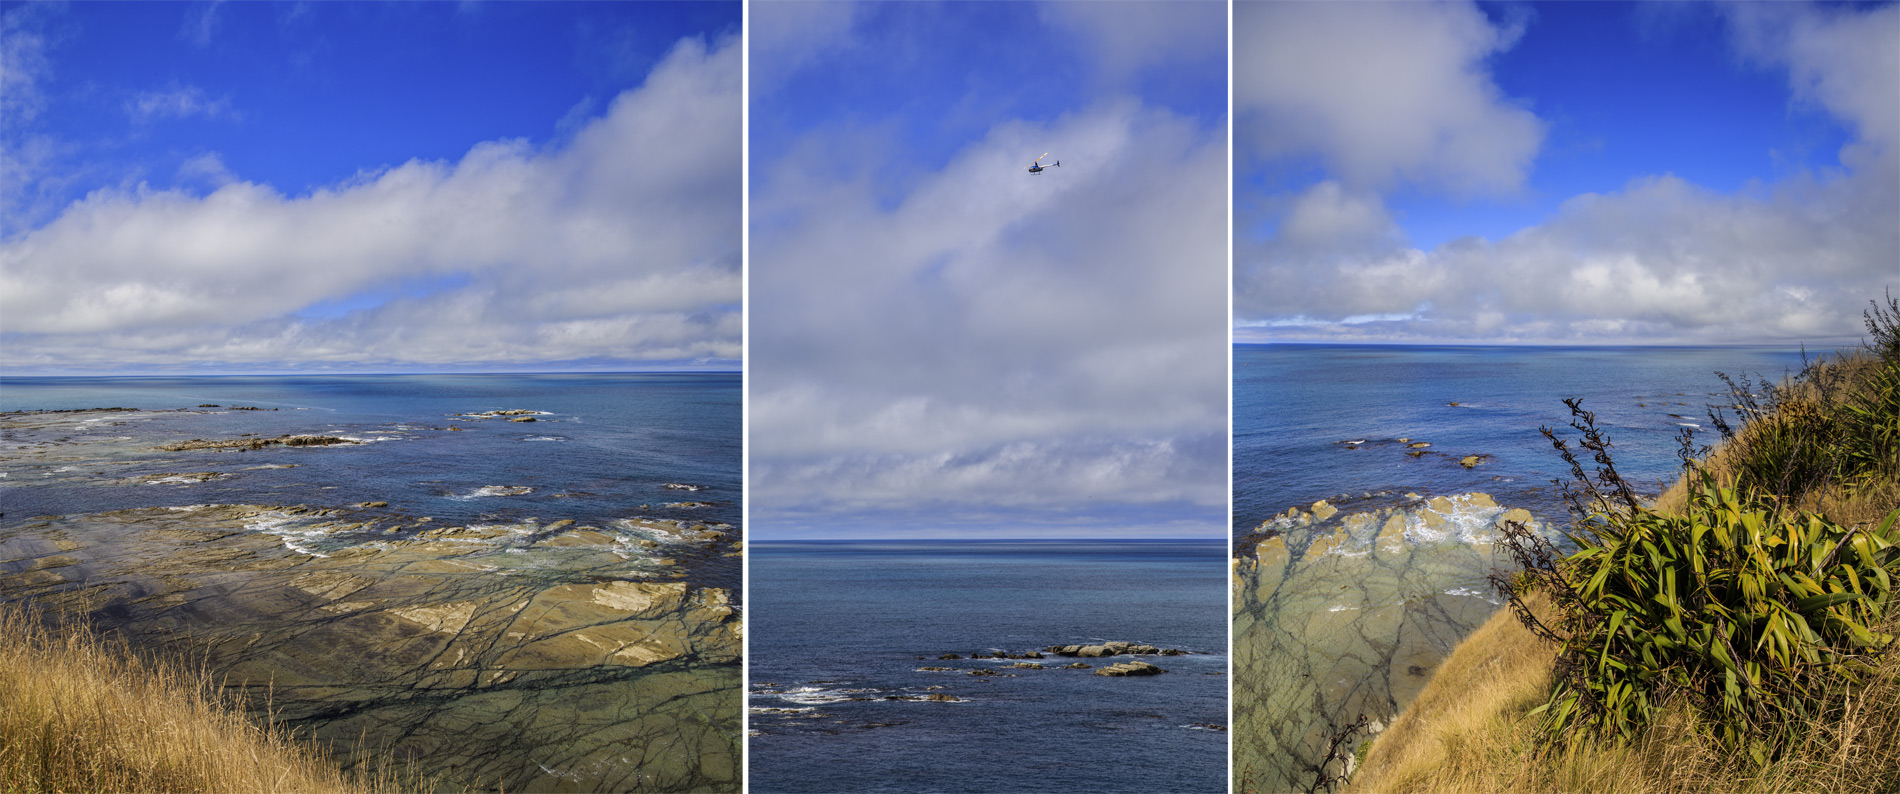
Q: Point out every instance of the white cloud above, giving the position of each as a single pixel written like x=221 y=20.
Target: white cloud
x=1845 y=60
x=620 y=243
x=208 y=168
x=790 y=34
x=1386 y=93
x=1129 y=36
x=1660 y=260
x=201 y=23
x=1050 y=342
x=23 y=65
x=25 y=156
x=177 y=102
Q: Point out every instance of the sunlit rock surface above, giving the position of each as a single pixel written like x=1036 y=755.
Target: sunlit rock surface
x=1347 y=612
x=521 y=656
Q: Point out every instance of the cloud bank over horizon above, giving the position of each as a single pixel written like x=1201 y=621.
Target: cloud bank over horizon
x=615 y=246
x=1344 y=110
x=967 y=349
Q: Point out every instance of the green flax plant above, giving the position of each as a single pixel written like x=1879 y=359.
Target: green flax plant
x=1737 y=604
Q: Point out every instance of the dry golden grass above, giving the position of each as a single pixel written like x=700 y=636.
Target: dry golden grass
x=79 y=714
x=1470 y=731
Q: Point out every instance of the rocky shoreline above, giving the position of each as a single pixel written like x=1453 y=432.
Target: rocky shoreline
x=510 y=653
x=464 y=658
x=1341 y=612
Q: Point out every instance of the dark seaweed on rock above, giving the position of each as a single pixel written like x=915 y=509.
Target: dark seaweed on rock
x=248 y=444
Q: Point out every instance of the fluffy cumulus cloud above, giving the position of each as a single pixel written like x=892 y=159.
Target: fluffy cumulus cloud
x=1660 y=260
x=621 y=245
x=1384 y=93
x=790 y=35
x=994 y=347
x=1140 y=35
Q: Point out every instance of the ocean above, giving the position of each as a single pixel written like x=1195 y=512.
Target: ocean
x=525 y=582
x=841 y=630
x=1294 y=403
x=607 y=444
x=1346 y=609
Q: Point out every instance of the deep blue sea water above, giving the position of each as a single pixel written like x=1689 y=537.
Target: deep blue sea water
x=1293 y=403
x=604 y=450
x=836 y=627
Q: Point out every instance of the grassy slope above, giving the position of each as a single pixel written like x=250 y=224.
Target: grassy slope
x=1469 y=730
x=78 y=714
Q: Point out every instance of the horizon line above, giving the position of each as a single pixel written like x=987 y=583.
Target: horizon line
x=261 y=374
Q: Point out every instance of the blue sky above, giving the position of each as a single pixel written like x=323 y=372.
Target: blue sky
x=1564 y=172
x=370 y=186
x=945 y=345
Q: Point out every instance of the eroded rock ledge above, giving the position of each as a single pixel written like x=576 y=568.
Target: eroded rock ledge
x=248 y=444
x=564 y=659
x=1340 y=612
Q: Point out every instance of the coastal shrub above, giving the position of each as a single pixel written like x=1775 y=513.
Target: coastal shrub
x=1735 y=635
x=1735 y=603
x=1835 y=424
x=1870 y=416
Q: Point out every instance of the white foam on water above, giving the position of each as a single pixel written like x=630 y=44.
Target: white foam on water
x=499 y=415
x=300 y=539
x=641 y=529
x=1463 y=521
x=544 y=438
x=493 y=490
x=1484 y=594
x=813 y=696
x=184 y=479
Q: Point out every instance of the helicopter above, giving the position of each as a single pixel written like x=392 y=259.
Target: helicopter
x=1038 y=166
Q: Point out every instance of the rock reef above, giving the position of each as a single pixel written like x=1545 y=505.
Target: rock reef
x=248 y=444
x=562 y=664
x=1340 y=612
